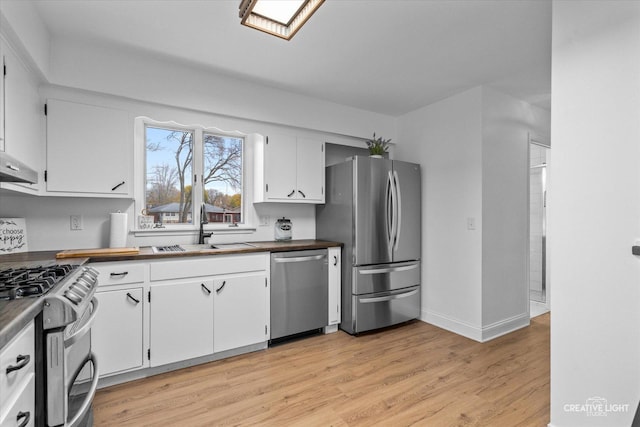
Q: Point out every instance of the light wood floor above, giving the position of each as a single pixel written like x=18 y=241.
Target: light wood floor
x=416 y=374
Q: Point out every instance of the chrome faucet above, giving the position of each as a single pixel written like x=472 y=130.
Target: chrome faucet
x=203 y=220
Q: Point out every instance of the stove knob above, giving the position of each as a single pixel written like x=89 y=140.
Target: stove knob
x=87 y=280
x=72 y=297
x=81 y=283
x=92 y=272
x=77 y=290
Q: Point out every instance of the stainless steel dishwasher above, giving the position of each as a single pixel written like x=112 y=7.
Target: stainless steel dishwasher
x=299 y=292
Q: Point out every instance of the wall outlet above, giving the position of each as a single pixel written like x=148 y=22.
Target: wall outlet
x=76 y=222
x=264 y=220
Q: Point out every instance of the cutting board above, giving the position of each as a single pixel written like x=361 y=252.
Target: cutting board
x=80 y=253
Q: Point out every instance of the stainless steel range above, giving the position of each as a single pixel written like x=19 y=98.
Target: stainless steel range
x=67 y=370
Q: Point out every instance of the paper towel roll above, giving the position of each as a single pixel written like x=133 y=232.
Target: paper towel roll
x=118 y=233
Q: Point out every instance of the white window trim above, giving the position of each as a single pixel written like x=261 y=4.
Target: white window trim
x=248 y=225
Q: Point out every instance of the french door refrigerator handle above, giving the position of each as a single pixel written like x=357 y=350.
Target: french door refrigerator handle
x=389 y=213
x=389 y=297
x=398 y=216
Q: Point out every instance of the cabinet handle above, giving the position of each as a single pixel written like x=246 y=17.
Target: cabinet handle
x=124 y=273
x=21 y=361
x=292 y=193
x=137 y=301
x=206 y=289
x=13 y=168
x=335 y=260
x=303 y=195
x=26 y=416
x=116 y=187
x=224 y=282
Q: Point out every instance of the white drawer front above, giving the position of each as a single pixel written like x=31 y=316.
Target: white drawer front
x=120 y=273
x=209 y=266
x=14 y=357
x=22 y=407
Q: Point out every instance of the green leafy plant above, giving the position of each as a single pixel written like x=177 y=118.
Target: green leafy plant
x=378 y=146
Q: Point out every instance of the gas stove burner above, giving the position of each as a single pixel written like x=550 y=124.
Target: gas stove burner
x=31 y=281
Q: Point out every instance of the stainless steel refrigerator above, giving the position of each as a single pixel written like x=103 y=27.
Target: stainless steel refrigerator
x=373 y=207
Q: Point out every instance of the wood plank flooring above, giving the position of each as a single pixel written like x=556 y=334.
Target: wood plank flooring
x=416 y=374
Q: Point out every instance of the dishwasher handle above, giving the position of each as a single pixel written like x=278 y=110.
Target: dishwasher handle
x=300 y=258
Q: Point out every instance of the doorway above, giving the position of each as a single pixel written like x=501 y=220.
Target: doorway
x=538 y=183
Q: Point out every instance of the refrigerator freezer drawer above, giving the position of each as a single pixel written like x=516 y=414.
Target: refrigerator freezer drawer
x=379 y=310
x=385 y=277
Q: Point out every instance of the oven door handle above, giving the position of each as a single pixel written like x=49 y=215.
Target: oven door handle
x=84 y=328
x=90 y=393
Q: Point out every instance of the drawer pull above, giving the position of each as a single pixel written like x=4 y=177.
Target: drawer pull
x=26 y=416
x=137 y=301
x=21 y=361
x=206 y=289
x=224 y=282
x=124 y=273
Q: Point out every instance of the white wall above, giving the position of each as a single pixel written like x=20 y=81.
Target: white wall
x=594 y=210
x=446 y=139
x=149 y=78
x=506 y=124
x=474 y=151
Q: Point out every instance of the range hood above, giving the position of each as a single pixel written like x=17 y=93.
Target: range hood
x=12 y=170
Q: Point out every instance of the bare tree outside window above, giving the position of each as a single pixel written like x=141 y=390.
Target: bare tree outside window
x=169 y=176
x=223 y=176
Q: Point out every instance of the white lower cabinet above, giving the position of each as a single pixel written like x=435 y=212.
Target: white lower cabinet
x=240 y=307
x=335 y=280
x=181 y=321
x=117 y=334
x=17 y=373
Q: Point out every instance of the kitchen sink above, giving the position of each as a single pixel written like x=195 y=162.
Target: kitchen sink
x=232 y=246
x=166 y=249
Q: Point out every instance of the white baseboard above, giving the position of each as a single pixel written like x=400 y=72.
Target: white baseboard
x=505 y=326
x=452 y=325
x=480 y=334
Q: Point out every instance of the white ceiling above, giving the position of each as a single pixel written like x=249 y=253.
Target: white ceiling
x=387 y=56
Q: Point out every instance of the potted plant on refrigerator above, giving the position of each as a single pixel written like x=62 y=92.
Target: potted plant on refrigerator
x=378 y=146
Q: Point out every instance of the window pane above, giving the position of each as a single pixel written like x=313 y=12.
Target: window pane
x=169 y=157
x=223 y=178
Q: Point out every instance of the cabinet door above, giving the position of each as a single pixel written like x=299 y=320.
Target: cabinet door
x=280 y=167
x=240 y=311
x=310 y=172
x=2 y=101
x=116 y=335
x=23 y=118
x=89 y=149
x=335 y=269
x=23 y=408
x=181 y=321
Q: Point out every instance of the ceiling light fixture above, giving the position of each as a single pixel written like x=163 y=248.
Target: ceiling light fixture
x=281 y=18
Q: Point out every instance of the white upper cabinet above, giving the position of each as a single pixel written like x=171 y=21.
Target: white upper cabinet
x=21 y=116
x=289 y=170
x=89 y=150
x=2 y=100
